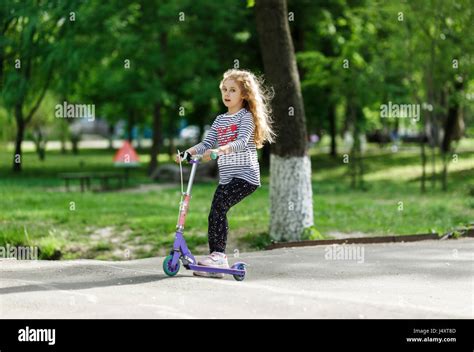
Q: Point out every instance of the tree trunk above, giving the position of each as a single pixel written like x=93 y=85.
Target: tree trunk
x=423 y=163
x=130 y=125
x=139 y=138
x=359 y=133
x=64 y=131
x=332 y=129
x=40 y=143
x=20 y=133
x=63 y=144
x=156 y=138
x=291 y=196
x=433 y=167
x=433 y=128
x=157 y=113
x=75 y=144
x=451 y=131
x=355 y=159
x=444 y=174
x=111 y=136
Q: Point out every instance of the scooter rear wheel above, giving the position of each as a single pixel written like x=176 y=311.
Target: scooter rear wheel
x=167 y=266
x=240 y=277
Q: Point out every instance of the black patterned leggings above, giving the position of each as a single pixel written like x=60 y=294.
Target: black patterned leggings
x=225 y=197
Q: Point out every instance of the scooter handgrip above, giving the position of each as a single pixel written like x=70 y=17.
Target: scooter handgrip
x=185 y=155
x=214 y=155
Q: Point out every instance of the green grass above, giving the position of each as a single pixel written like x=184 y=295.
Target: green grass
x=118 y=226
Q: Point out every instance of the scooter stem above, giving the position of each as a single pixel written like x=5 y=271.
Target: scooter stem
x=183 y=211
x=191 y=177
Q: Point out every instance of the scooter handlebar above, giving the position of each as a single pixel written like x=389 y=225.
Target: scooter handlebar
x=214 y=155
x=190 y=157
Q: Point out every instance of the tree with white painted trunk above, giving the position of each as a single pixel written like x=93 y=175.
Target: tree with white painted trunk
x=291 y=196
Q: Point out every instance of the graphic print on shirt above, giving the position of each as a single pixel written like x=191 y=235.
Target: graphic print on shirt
x=226 y=134
x=238 y=131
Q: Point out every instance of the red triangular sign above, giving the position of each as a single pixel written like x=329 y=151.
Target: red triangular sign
x=126 y=155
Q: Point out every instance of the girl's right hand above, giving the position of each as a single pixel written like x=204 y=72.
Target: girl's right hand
x=178 y=158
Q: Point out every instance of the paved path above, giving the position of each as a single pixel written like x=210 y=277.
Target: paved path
x=427 y=279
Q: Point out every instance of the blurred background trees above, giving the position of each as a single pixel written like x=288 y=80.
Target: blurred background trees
x=152 y=68
x=155 y=65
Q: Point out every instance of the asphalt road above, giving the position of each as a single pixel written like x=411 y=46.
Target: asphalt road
x=427 y=279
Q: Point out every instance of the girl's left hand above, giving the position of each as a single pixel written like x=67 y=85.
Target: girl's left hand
x=207 y=155
x=225 y=149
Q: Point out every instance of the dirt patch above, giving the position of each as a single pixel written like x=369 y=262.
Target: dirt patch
x=109 y=243
x=112 y=243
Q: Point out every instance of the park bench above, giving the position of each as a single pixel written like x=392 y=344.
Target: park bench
x=85 y=179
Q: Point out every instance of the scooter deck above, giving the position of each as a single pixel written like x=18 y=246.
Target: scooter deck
x=208 y=269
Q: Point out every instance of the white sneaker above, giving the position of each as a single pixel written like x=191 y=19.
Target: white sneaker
x=216 y=260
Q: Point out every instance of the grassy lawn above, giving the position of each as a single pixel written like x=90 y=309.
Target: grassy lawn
x=35 y=210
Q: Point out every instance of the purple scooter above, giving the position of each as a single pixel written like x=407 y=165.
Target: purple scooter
x=180 y=250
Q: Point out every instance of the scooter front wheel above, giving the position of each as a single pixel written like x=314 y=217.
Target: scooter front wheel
x=167 y=266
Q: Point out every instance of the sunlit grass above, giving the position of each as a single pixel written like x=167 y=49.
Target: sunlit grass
x=35 y=211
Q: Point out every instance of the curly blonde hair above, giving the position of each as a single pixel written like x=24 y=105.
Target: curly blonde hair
x=256 y=100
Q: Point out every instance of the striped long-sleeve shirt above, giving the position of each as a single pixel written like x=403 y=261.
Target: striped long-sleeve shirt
x=236 y=130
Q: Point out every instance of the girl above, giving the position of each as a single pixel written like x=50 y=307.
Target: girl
x=238 y=134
